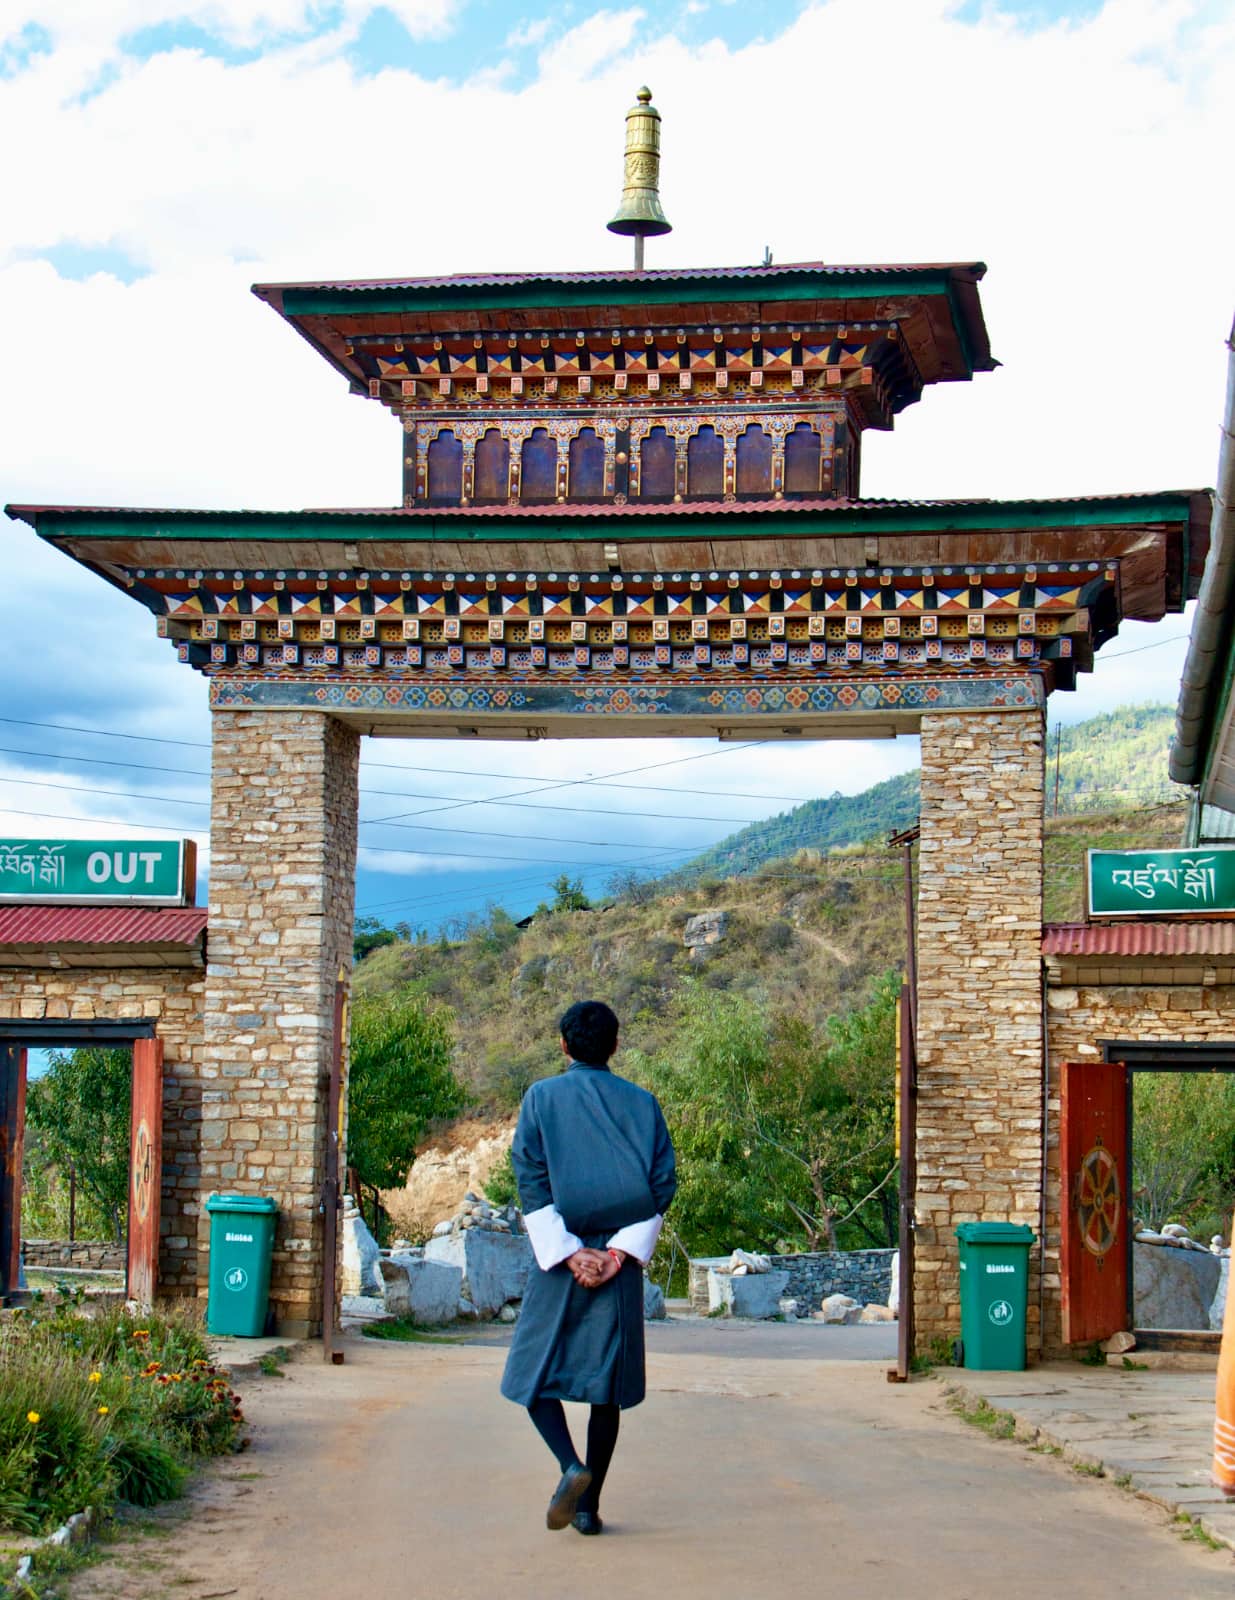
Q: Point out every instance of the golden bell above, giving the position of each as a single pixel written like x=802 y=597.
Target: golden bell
x=639 y=213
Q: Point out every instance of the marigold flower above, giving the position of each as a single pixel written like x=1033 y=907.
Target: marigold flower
x=32 y=1416
x=103 y=1410
x=95 y=1377
x=141 y=1333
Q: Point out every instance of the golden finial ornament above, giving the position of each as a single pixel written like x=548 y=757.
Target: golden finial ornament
x=639 y=213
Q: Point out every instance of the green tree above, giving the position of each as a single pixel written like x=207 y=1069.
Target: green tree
x=370 y=933
x=79 y=1111
x=399 y=1082
x=568 y=894
x=1183 y=1149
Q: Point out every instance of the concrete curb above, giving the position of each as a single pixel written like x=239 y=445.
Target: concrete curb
x=1148 y=1481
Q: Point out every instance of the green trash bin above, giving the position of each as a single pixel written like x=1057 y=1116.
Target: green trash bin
x=241 y=1239
x=994 y=1294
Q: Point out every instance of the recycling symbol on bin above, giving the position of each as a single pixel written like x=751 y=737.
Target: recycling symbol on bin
x=1000 y=1312
x=235 y=1278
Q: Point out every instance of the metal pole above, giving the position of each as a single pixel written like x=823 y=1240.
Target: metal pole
x=638 y=252
x=911 y=948
x=330 y=1183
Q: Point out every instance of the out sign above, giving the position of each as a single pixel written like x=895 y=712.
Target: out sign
x=123 y=868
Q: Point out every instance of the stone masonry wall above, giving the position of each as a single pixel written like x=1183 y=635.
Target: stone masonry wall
x=1120 y=1002
x=78 y=1253
x=979 y=995
x=170 y=997
x=865 y=1275
x=282 y=866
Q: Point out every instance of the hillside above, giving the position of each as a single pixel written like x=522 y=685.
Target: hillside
x=804 y=936
x=1104 y=764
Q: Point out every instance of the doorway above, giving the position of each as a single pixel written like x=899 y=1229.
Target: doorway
x=145 y=1138
x=1139 y=1153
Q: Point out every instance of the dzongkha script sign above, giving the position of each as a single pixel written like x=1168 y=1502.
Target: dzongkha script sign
x=151 y=872
x=1161 y=883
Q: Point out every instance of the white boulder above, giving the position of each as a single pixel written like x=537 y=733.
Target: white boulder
x=361 y=1272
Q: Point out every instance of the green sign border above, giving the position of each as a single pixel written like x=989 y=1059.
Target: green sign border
x=1148 y=908
x=186 y=875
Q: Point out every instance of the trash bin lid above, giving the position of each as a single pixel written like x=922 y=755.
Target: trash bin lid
x=241 y=1202
x=994 y=1233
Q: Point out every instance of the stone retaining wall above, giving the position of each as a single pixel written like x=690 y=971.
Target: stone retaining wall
x=865 y=1275
x=80 y=1253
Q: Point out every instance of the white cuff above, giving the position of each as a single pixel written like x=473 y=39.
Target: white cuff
x=551 y=1240
x=638 y=1239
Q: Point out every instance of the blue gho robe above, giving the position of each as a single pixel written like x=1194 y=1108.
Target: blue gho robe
x=594 y=1147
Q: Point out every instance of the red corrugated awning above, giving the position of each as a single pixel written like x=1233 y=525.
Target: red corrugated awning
x=1125 y=939
x=79 y=936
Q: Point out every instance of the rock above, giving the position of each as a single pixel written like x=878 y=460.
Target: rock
x=705 y=931
x=1148 y=1236
x=530 y=977
x=653 y=1301
x=508 y=1313
x=495 y=1266
x=853 y=1316
x=1118 y=1344
x=1174 y=1230
x=467 y=1312
x=873 y=1313
x=894 y=1293
x=755 y=1294
x=1173 y=1288
x=444 y=1171
x=442 y=1229
x=747 y=1261
x=361 y=1273
x=789 y=1310
x=1217 y=1306
x=1216 y=1244
x=425 y=1292
x=364 y=1307
x=835 y=1306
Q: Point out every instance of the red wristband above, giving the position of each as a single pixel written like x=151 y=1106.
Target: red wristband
x=618 y=1257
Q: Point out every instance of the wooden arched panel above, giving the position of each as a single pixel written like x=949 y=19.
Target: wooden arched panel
x=538 y=475
x=803 y=460
x=491 y=483
x=445 y=470
x=587 y=466
x=705 y=465
x=656 y=466
x=755 y=463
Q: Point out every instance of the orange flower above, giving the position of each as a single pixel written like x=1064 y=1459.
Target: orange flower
x=141 y=1333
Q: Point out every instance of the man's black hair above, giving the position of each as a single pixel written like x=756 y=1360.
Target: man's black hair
x=590 y=1030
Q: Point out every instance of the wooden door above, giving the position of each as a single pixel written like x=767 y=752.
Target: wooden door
x=1094 y=1209
x=12 y=1129
x=145 y=1169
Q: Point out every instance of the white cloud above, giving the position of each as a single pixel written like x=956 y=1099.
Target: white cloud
x=1078 y=159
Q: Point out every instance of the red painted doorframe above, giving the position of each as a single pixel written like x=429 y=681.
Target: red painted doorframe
x=12 y=1131
x=146 y=1153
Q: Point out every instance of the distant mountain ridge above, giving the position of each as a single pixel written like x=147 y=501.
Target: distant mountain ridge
x=1114 y=762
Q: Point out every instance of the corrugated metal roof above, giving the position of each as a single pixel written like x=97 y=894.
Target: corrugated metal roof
x=43 y=926
x=1136 y=938
x=605 y=509
x=502 y=280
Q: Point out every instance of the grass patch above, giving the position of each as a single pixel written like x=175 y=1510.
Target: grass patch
x=1122 y=1480
x=1190 y=1530
x=404 y=1332
x=983 y=1416
x=1046 y=1449
x=1134 y=1366
x=103 y=1410
x=271 y=1362
x=1089 y=1469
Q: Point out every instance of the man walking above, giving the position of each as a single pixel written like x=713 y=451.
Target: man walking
x=594 y=1164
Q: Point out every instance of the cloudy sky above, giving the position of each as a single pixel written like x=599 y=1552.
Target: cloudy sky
x=162 y=155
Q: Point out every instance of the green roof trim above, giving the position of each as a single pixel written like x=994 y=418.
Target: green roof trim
x=508 y=526
x=325 y=301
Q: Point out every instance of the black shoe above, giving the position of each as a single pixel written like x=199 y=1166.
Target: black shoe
x=588 y=1522
x=574 y=1482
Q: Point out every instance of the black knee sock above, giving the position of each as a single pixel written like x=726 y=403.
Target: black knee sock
x=602 y=1436
x=549 y=1420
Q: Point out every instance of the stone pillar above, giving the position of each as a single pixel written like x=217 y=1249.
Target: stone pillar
x=282 y=873
x=979 y=996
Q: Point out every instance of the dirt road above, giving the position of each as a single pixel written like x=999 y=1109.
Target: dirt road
x=755 y=1469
